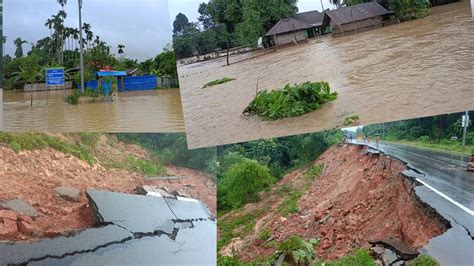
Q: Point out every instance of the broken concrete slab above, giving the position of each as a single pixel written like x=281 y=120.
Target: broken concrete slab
x=19 y=205
x=155 y=191
x=86 y=240
x=136 y=213
x=192 y=246
x=189 y=210
x=402 y=251
x=68 y=193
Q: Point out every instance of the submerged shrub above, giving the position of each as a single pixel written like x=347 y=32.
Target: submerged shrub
x=73 y=98
x=217 y=82
x=291 y=100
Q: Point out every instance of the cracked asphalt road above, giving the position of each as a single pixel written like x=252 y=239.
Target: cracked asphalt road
x=132 y=229
x=447 y=187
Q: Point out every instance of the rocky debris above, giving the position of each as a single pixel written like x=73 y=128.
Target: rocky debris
x=19 y=205
x=154 y=191
x=68 y=193
x=403 y=251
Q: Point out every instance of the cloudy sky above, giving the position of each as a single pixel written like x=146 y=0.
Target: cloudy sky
x=190 y=7
x=143 y=26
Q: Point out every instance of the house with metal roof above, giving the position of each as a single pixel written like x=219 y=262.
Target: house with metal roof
x=297 y=28
x=357 y=17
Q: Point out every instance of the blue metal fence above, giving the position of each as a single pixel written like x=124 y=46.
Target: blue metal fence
x=131 y=83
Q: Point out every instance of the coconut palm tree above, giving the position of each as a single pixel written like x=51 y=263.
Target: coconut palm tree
x=89 y=35
x=120 y=49
x=4 y=41
x=19 y=49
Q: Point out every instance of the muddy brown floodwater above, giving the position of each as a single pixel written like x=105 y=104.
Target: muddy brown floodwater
x=413 y=69
x=136 y=111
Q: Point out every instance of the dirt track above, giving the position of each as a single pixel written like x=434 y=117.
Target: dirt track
x=357 y=198
x=33 y=176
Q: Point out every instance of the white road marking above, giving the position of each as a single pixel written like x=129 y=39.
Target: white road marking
x=464 y=208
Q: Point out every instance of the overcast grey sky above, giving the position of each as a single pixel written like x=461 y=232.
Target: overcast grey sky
x=143 y=26
x=190 y=7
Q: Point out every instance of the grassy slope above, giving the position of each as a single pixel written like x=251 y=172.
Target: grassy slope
x=452 y=147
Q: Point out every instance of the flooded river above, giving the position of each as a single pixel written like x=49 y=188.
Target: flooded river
x=136 y=111
x=417 y=68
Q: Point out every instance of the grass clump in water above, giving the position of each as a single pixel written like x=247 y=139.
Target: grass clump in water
x=290 y=101
x=75 y=95
x=350 y=120
x=217 y=82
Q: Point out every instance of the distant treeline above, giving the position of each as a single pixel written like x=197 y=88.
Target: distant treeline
x=434 y=128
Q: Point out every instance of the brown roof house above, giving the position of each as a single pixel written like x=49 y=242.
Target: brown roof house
x=357 y=17
x=294 y=29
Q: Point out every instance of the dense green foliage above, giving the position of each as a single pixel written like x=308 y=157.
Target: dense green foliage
x=359 y=257
x=242 y=182
x=61 y=48
x=279 y=155
x=291 y=100
x=75 y=95
x=172 y=148
x=409 y=9
x=217 y=82
x=223 y=24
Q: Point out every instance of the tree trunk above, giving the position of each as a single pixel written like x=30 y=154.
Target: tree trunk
x=228 y=48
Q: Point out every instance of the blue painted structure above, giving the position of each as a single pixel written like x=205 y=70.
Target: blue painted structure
x=130 y=83
x=55 y=76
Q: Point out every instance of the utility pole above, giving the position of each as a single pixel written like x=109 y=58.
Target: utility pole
x=81 y=44
x=465 y=124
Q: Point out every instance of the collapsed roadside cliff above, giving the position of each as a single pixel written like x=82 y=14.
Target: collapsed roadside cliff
x=358 y=197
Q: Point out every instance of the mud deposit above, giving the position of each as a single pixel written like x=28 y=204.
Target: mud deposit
x=359 y=197
x=390 y=73
x=135 y=111
x=33 y=176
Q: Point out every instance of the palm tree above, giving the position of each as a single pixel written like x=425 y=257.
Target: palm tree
x=19 y=49
x=4 y=41
x=120 y=49
x=89 y=35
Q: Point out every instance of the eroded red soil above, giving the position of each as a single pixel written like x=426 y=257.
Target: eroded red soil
x=33 y=175
x=359 y=197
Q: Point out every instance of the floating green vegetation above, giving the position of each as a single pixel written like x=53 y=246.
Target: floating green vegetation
x=217 y=82
x=291 y=100
x=350 y=120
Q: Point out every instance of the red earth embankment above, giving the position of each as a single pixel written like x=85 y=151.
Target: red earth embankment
x=32 y=177
x=359 y=197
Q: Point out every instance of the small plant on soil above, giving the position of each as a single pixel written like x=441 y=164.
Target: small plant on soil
x=290 y=204
x=424 y=260
x=297 y=251
x=290 y=101
x=360 y=257
x=15 y=146
x=313 y=172
x=217 y=82
x=265 y=234
x=350 y=120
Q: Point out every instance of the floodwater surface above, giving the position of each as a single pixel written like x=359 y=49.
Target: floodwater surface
x=413 y=69
x=135 y=111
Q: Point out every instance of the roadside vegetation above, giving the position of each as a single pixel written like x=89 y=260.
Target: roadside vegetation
x=424 y=260
x=217 y=82
x=443 y=133
x=290 y=101
x=82 y=149
x=360 y=257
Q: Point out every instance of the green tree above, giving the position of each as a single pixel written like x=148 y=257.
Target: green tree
x=19 y=49
x=180 y=23
x=99 y=57
x=29 y=71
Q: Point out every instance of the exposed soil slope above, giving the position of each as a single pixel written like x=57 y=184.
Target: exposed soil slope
x=33 y=175
x=357 y=198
